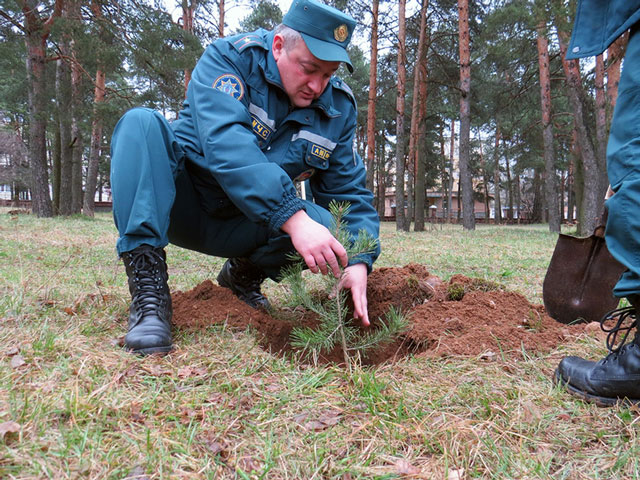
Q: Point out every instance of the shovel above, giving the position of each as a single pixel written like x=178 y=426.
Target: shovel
x=578 y=286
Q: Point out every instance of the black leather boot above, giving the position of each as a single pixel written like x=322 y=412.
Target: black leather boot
x=243 y=278
x=150 y=311
x=614 y=379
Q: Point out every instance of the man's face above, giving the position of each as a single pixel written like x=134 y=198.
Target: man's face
x=304 y=76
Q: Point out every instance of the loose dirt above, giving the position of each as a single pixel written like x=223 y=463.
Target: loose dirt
x=462 y=316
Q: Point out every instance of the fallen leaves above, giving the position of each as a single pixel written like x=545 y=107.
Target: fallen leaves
x=8 y=428
x=324 y=420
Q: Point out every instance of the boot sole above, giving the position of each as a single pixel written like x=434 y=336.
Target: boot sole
x=151 y=350
x=595 y=399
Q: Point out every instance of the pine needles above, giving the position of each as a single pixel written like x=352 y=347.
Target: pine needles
x=331 y=308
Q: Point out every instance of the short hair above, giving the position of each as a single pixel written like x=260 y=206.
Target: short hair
x=290 y=36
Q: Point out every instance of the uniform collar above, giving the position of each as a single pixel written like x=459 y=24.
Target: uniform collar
x=324 y=103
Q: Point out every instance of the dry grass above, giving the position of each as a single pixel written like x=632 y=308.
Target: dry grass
x=221 y=407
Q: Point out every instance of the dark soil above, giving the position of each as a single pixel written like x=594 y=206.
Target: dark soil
x=463 y=316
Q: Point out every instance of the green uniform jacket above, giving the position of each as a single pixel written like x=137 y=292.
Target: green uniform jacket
x=599 y=23
x=246 y=147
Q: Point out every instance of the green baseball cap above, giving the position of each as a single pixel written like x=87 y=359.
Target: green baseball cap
x=326 y=30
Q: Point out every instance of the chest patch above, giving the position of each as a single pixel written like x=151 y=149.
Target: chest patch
x=320 y=152
x=229 y=84
x=260 y=129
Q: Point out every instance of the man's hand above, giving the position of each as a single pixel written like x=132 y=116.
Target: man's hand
x=354 y=278
x=314 y=242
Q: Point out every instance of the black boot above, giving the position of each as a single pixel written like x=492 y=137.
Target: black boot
x=243 y=278
x=615 y=378
x=150 y=311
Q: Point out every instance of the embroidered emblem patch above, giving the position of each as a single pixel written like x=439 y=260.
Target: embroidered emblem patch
x=341 y=33
x=259 y=128
x=229 y=84
x=318 y=151
x=305 y=175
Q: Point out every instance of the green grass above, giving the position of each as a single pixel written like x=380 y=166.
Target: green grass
x=221 y=407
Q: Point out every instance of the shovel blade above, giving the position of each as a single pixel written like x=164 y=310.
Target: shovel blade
x=578 y=286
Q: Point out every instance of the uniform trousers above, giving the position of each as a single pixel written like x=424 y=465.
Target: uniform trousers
x=623 y=167
x=155 y=201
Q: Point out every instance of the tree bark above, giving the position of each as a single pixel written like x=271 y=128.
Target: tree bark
x=371 y=101
x=400 y=104
x=96 y=131
x=188 y=10
x=615 y=54
x=63 y=97
x=592 y=195
x=221 y=24
x=496 y=179
x=452 y=145
x=418 y=79
x=551 y=188
x=421 y=146
x=468 y=210
x=37 y=30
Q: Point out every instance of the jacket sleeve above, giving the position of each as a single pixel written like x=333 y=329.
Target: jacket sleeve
x=260 y=189
x=345 y=181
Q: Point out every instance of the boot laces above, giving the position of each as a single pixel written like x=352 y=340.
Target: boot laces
x=625 y=319
x=148 y=277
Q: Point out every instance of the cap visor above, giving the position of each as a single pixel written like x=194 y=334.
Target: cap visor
x=327 y=51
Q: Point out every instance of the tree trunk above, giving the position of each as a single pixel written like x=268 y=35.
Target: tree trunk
x=418 y=79
x=188 y=10
x=601 y=124
x=382 y=183
x=221 y=24
x=371 y=101
x=509 y=191
x=37 y=31
x=400 y=102
x=452 y=145
x=592 y=196
x=496 y=179
x=551 y=188
x=615 y=53
x=96 y=132
x=63 y=97
x=421 y=147
x=468 y=213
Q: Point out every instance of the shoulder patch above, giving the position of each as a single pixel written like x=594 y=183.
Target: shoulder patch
x=230 y=84
x=242 y=42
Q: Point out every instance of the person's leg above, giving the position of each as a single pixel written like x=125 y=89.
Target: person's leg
x=617 y=377
x=145 y=157
x=254 y=253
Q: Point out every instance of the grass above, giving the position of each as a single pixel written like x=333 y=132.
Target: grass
x=221 y=407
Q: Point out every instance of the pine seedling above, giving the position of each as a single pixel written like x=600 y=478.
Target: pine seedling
x=334 y=327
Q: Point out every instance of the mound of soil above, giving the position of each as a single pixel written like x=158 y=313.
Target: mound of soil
x=463 y=316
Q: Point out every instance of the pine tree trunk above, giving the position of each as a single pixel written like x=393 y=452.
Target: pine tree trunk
x=63 y=97
x=592 y=195
x=496 y=179
x=96 y=143
x=371 y=100
x=415 y=108
x=468 y=210
x=188 y=10
x=221 y=24
x=509 y=191
x=382 y=184
x=551 y=188
x=37 y=31
x=615 y=54
x=400 y=104
x=421 y=146
x=452 y=145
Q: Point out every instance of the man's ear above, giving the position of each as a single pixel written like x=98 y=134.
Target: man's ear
x=278 y=46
